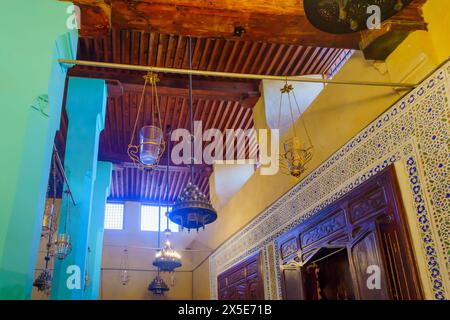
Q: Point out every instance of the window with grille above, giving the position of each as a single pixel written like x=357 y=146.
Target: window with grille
x=149 y=219
x=114 y=216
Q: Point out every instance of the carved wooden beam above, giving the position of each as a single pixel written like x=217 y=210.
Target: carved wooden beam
x=246 y=92
x=257 y=20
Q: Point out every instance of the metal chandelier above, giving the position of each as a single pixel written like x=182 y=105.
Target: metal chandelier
x=192 y=209
x=347 y=16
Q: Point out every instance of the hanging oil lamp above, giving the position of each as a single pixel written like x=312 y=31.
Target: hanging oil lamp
x=158 y=286
x=347 y=16
x=192 y=209
x=43 y=282
x=87 y=279
x=147 y=153
x=124 y=276
x=296 y=152
x=166 y=259
x=63 y=245
x=48 y=218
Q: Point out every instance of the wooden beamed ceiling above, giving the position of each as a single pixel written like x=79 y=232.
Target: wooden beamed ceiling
x=282 y=22
x=221 y=103
x=278 y=40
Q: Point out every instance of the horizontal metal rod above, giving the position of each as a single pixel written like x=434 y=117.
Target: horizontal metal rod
x=231 y=75
x=63 y=173
x=152 y=248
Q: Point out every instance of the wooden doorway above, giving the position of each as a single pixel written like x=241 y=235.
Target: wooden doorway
x=357 y=248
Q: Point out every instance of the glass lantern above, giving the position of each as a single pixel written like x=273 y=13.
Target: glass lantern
x=63 y=247
x=296 y=156
x=151 y=138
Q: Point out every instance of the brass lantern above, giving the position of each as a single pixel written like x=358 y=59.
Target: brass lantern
x=192 y=209
x=63 y=245
x=147 y=153
x=167 y=259
x=158 y=286
x=297 y=151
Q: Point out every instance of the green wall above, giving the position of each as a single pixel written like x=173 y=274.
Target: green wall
x=31 y=90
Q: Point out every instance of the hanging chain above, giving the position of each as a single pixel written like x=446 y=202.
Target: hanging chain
x=167 y=179
x=289 y=89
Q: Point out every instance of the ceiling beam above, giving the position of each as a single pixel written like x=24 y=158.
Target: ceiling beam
x=256 y=20
x=282 y=22
x=123 y=161
x=244 y=91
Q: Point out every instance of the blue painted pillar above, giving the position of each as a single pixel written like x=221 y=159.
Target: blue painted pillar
x=96 y=228
x=31 y=90
x=86 y=107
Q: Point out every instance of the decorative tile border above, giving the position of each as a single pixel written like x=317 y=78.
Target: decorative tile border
x=419 y=123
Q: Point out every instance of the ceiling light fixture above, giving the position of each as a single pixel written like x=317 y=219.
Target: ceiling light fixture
x=158 y=286
x=147 y=153
x=63 y=245
x=296 y=153
x=347 y=16
x=192 y=209
x=166 y=259
x=44 y=281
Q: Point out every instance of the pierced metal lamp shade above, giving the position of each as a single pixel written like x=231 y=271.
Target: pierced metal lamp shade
x=158 y=286
x=167 y=259
x=44 y=282
x=296 y=156
x=347 y=16
x=192 y=209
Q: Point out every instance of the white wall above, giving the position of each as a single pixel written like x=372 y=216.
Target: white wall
x=141 y=251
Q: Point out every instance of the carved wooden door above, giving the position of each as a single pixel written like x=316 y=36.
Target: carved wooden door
x=369 y=224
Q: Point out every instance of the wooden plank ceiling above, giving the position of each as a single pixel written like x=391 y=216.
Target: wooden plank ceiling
x=218 y=103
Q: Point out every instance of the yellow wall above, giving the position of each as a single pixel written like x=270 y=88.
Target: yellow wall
x=200 y=281
x=337 y=115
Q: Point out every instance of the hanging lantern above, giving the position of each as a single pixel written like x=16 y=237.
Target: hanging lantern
x=44 y=281
x=158 y=286
x=192 y=209
x=296 y=153
x=147 y=153
x=48 y=218
x=124 y=276
x=296 y=156
x=63 y=245
x=347 y=16
x=167 y=259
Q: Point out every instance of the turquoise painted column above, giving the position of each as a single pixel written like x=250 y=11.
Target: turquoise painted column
x=96 y=228
x=31 y=91
x=86 y=107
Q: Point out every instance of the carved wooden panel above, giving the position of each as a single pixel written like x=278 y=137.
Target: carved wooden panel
x=289 y=248
x=242 y=282
x=369 y=224
x=323 y=229
x=369 y=203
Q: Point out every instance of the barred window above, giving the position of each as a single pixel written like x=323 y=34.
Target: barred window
x=149 y=219
x=114 y=216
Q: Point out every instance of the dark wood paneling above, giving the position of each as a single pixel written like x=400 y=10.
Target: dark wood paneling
x=369 y=224
x=243 y=281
